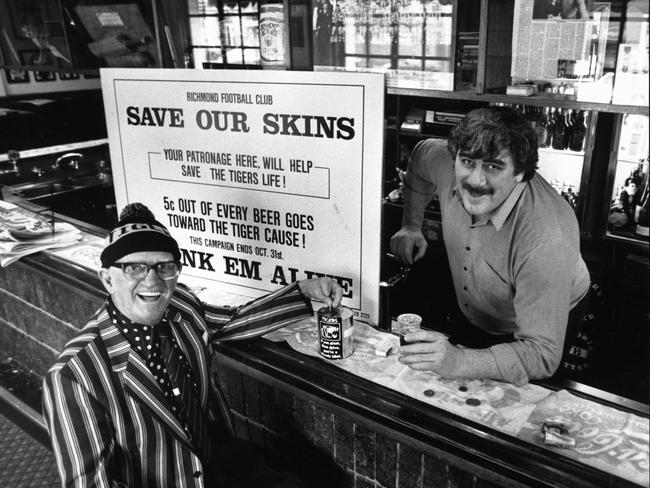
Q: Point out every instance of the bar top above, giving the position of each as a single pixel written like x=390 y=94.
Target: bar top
x=520 y=455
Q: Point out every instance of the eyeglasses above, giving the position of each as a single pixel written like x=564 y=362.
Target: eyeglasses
x=167 y=270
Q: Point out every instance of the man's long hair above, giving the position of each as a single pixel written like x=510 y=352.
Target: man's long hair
x=485 y=132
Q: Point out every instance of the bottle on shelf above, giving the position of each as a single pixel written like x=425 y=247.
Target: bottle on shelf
x=640 y=177
x=542 y=127
x=577 y=132
x=548 y=113
x=559 y=130
x=633 y=144
x=530 y=115
x=629 y=198
x=569 y=120
x=643 y=219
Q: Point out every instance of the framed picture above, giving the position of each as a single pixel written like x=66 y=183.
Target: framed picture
x=17 y=76
x=68 y=76
x=35 y=19
x=562 y=9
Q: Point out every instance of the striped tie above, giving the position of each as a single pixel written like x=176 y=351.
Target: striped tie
x=181 y=382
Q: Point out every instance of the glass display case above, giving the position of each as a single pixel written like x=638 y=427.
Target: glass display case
x=411 y=41
x=112 y=34
x=628 y=182
x=71 y=36
x=70 y=182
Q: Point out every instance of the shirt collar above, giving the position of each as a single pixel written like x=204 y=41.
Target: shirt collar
x=138 y=335
x=115 y=313
x=499 y=216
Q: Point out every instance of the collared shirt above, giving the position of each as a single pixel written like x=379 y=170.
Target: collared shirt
x=145 y=341
x=516 y=271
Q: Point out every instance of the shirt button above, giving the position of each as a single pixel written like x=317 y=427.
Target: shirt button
x=197 y=474
x=466 y=305
x=464 y=288
x=467 y=248
x=465 y=268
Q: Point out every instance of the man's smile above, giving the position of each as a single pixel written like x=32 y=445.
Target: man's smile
x=149 y=296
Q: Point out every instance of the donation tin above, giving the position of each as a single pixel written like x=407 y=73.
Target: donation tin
x=335 y=332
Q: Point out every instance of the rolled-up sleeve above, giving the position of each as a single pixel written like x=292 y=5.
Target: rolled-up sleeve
x=425 y=167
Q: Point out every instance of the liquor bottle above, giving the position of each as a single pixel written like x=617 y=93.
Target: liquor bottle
x=577 y=132
x=530 y=115
x=643 y=217
x=542 y=127
x=633 y=144
x=559 y=130
x=629 y=199
x=548 y=114
x=569 y=120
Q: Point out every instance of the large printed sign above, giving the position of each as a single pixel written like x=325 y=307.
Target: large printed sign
x=263 y=177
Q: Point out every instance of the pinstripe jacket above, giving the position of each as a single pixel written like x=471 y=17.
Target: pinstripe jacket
x=109 y=422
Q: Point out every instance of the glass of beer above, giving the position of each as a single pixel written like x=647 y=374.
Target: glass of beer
x=407 y=323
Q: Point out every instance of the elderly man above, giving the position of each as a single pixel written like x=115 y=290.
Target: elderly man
x=513 y=247
x=130 y=401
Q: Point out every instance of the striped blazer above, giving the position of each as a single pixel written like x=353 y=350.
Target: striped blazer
x=109 y=422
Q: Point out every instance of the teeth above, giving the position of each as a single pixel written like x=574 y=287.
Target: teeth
x=150 y=294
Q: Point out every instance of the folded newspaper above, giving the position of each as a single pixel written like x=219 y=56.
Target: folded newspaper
x=22 y=234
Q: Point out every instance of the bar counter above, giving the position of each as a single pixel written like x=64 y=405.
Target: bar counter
x=300 y=407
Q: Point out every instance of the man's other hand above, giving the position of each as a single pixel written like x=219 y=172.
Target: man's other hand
x=408 y=244
x=324 y=289
x=431 y=351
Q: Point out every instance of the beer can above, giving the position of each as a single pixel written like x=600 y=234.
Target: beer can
x=335 y=332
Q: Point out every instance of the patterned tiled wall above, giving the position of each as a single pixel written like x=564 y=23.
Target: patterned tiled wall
x=360 y=454
x=38 y=315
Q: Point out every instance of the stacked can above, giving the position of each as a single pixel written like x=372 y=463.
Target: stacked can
x=335 y=332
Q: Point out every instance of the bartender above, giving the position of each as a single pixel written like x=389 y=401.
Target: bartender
x=513 y=246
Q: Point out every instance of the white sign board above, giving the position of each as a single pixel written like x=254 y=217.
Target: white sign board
x=263 y=177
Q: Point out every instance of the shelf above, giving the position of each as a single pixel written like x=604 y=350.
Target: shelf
x=562 y=152
x=629 y=238
x=542 y=100
x=421 y=135
x=55 y=69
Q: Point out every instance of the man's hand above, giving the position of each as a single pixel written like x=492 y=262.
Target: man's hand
x=431 y=352
x=324 y=289
x=405 y=242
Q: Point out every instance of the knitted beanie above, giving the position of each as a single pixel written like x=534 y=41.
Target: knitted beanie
x=137 y=230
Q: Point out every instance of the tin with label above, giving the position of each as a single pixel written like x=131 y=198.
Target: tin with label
x=335 y=332
x=271 y=29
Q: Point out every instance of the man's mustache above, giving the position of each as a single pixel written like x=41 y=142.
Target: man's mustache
x=478 y=190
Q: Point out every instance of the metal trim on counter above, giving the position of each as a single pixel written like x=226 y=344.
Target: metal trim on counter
x=69 y=273
x=43 y=151
x=604 y=397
